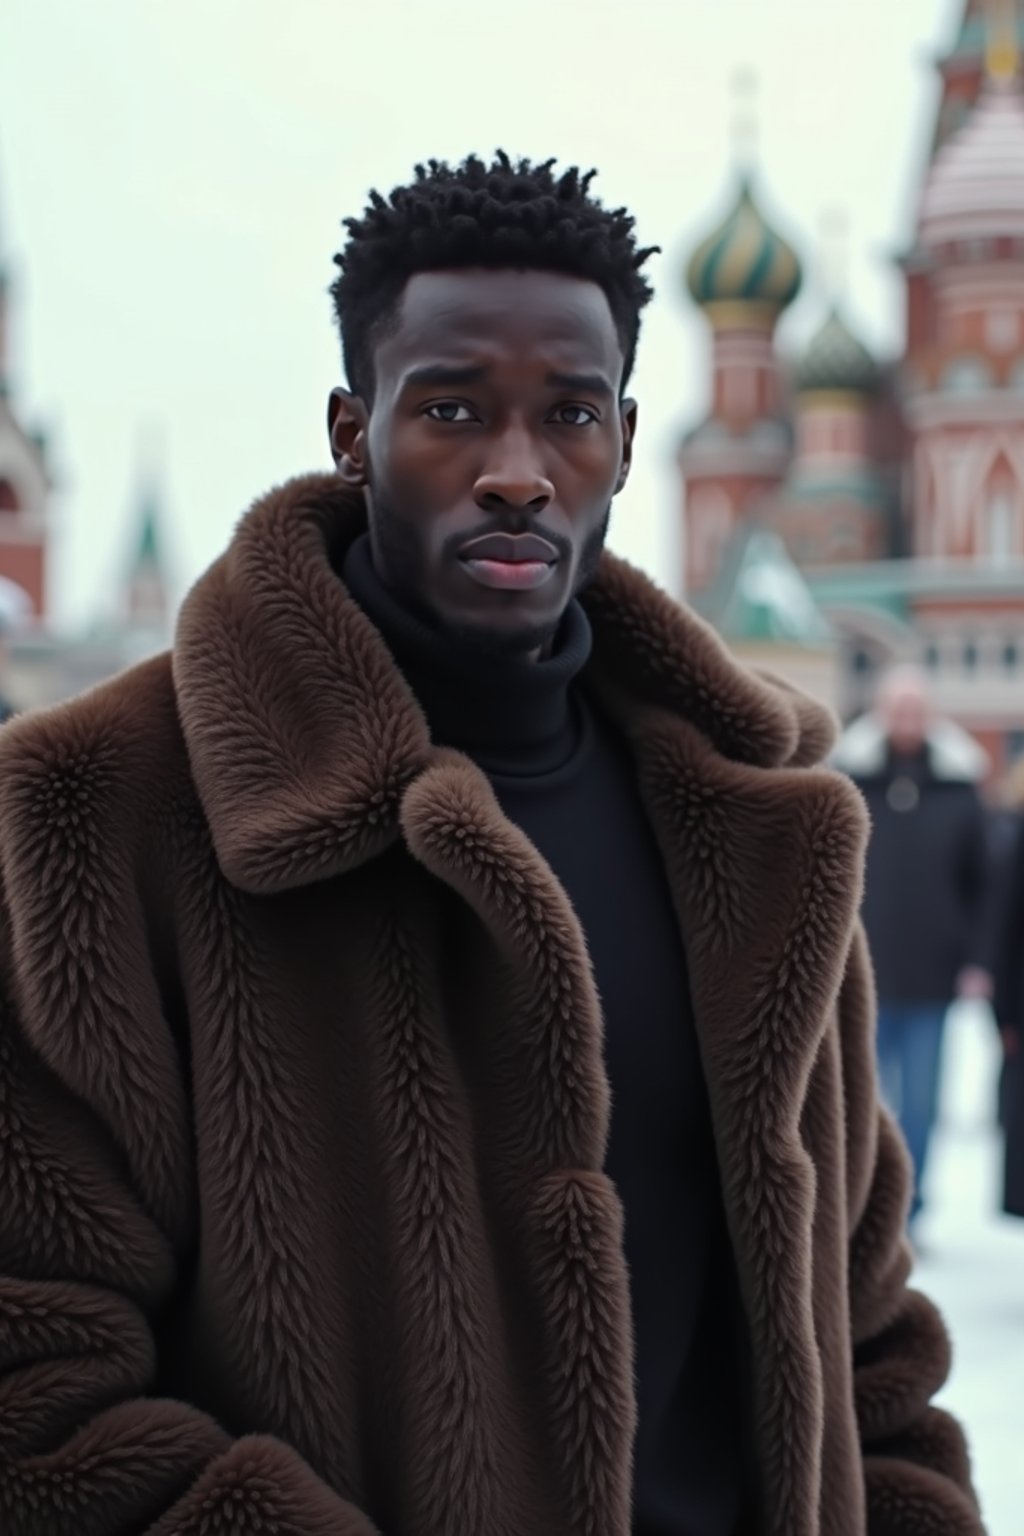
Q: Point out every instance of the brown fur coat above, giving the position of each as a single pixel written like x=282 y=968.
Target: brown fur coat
x=303 y=1224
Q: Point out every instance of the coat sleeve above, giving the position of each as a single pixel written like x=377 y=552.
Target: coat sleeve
x=87 y=1257
x=916 y=1470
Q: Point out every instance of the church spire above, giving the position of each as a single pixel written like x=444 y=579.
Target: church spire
x=148 y=601
x=834 y=254
x=744 y=121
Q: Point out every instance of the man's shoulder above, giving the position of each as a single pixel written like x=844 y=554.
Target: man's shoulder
x=107 y=756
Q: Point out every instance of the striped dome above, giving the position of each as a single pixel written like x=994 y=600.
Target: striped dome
x=976 y=184
x=836 y=360
x=974 y=38
x=744 y=260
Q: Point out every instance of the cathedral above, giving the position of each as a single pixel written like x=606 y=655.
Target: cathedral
x=841 y=511
x=844 y=512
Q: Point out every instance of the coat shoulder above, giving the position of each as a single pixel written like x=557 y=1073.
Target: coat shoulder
x=94 y=771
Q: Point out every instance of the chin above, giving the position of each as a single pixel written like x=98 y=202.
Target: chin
x=522 y=637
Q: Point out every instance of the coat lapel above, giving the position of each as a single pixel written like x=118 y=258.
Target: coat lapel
x=301 y=732
x=540 y=1072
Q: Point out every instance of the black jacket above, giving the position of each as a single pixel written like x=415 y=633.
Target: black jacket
x=1009 y=1011
x=1009 y=964
x=927 y=878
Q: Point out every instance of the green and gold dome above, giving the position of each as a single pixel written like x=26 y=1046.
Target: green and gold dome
x=744 y=261
x=836 y=361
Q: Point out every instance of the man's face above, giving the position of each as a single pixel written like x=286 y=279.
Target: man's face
x=906 y=714
x=493 y=448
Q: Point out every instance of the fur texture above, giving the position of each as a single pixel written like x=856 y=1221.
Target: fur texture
x=303 y=1224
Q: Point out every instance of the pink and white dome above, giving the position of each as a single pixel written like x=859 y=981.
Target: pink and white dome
x=976 y=185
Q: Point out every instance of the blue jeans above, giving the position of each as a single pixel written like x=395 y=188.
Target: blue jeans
x=909 y=1055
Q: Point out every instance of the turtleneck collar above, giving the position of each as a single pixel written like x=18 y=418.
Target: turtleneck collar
x=511 y=715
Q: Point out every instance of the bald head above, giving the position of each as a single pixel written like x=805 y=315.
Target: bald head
x=905 y=709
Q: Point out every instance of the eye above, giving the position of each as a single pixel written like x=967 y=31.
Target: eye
x=565 y=413
x=448 y=411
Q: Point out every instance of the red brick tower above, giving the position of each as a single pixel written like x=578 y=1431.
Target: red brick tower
x=24 y=482
x=963 y=400
x=742 y=276
x=965 y=354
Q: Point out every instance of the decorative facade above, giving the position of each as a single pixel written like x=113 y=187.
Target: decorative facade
x=41 y=664
x=900 y=497
x=25 y=484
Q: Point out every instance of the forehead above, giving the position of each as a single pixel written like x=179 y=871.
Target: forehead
x=493 y=316
x=905 y=697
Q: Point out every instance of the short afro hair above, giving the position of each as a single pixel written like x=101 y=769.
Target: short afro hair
x=506 y=214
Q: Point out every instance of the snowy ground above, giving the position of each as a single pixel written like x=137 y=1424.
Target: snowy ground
x=972 y=1265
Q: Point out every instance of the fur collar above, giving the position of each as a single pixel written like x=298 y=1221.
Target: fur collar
x=953 y=755
x=303 y=735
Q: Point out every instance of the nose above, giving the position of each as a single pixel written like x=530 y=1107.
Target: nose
x=514 y=476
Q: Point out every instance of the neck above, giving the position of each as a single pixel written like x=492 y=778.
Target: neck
x=511 y=713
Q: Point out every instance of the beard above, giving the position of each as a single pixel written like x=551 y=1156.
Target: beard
x=400 y=557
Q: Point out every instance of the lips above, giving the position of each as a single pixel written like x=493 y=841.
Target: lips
x=509 y=562
x=510 y=549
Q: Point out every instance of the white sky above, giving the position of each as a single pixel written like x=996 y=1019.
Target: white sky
x=173 y=174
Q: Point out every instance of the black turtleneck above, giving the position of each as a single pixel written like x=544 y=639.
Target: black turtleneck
x=563 y=776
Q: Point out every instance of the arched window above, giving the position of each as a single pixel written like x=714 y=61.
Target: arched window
x=1002 y=329
x=999 y=538
x=9 y=501
x=966 y=376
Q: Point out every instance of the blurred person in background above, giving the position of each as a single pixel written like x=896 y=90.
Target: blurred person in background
x=927 y=887
x=437 y=1083
x=1008 y=1001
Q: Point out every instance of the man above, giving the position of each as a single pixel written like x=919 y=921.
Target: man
x=1008 y=988
x=926 y=890
x=439 y=1095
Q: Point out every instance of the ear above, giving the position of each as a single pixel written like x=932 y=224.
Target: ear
x=627 y=415
x=347 y=419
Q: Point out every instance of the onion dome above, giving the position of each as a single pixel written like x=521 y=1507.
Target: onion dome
x=975 y=188
x=744 y=260
x=975 y=36
x=836 y=360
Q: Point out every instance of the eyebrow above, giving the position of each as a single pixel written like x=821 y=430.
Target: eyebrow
x=440 y=375
x=586 y=383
